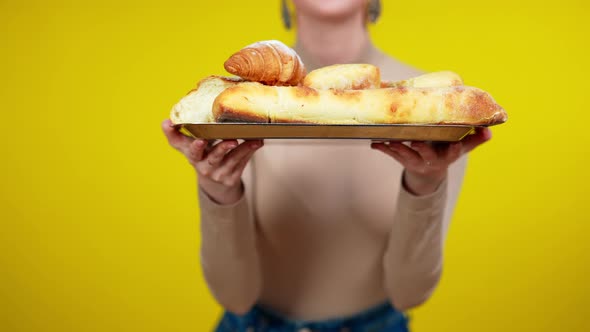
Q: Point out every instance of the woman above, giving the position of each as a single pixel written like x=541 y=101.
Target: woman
x=325 y=235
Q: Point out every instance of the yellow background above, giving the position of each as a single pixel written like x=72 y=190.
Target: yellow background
x=99 y=228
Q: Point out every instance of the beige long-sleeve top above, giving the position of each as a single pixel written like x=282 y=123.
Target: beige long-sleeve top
x=325 y=228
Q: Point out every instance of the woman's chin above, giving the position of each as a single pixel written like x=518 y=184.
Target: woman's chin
x=330 y=9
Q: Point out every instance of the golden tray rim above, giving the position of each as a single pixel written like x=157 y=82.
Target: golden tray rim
x=401 y=132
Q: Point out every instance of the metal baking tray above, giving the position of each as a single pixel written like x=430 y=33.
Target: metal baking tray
x=402 y=132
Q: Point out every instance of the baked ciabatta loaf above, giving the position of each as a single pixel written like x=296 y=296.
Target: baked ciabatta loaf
x=196 y=106
x=254 y=102
x=366 y=76
x=270 y=62
x=429 y=80
x=344 y=77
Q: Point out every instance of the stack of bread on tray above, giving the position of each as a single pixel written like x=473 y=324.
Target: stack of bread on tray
x=271 y=85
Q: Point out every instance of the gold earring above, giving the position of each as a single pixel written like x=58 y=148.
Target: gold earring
x=286 y=14
x=373 y=10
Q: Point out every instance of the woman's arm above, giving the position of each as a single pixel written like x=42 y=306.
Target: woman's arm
x=431 y=184
x=229 y=256
x=414 y=256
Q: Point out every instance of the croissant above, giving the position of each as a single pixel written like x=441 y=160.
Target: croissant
x=270 y=62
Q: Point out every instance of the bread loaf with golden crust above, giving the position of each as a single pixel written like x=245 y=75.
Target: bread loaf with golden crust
x=254 y=102
x=366 y=76
x=430 y=80
x=344 y=77
x=196 y=106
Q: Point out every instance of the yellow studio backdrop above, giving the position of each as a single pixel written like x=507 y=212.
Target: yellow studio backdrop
x=99 y=216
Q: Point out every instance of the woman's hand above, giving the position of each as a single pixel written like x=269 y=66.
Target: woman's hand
x=219 y=167
x=426 y=165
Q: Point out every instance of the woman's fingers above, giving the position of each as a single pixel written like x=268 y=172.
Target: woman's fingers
x=219 y=164
x=215 y=156
x=426 y=151
x=241 y=165
x=229 y=171
x=236 y=176
x=175 y=138
x=426 y=161
x=452 y=152
x=196 y=151
x=193 y=149
x=237 y=155
x=411 y=157
x=223 y=172
x=405 y=155
x=385 y=149
x=481 y=135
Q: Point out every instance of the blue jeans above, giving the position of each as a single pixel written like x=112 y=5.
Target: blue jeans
x=382 y=318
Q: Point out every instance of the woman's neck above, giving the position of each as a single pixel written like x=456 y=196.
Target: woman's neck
x=323 y=42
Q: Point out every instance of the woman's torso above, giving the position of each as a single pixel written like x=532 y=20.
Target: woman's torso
x=323 y=209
